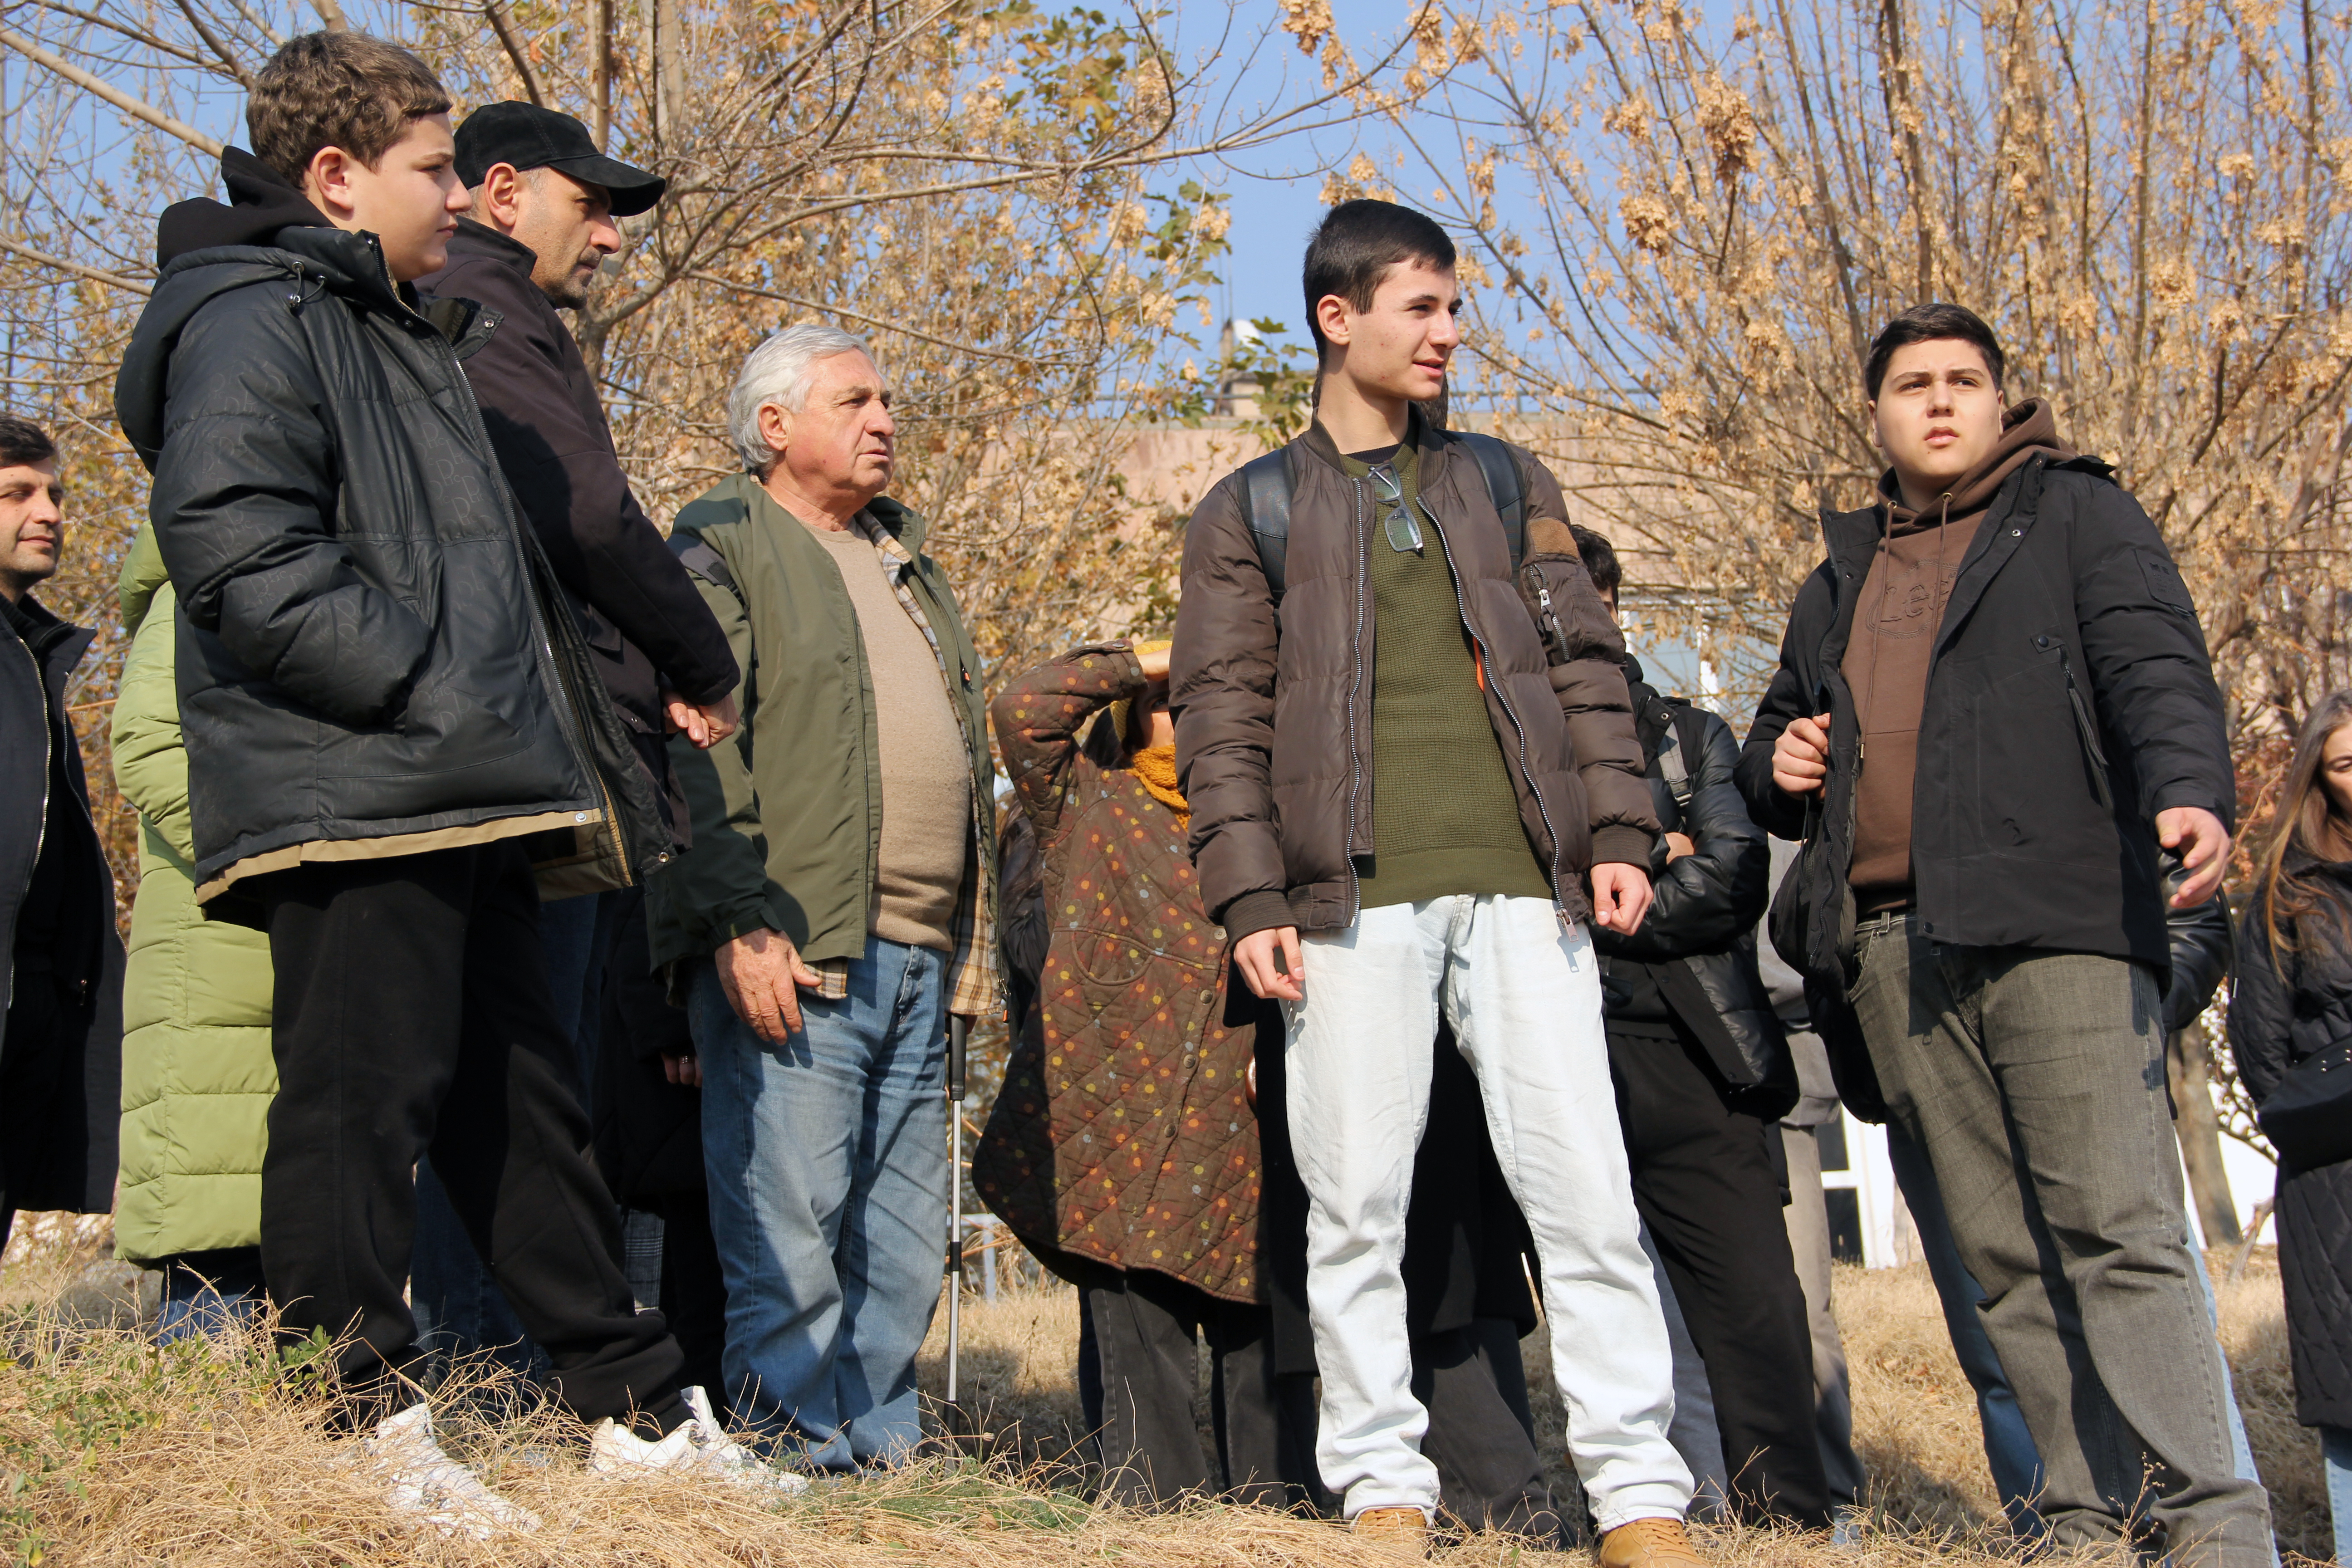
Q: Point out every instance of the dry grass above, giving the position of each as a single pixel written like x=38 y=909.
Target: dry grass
x=112 y=1451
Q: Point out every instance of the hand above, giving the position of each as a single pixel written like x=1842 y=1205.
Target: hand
x=1801 y=757
x=1621 y=895
x=1256 y=954
x=1677 y=846
x=760 y=972
x=705 y=726
x=684 y=1071
x=2204 y=846
x=1155 y=663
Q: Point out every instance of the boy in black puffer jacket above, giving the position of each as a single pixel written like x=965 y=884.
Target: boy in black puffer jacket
x=382 y=703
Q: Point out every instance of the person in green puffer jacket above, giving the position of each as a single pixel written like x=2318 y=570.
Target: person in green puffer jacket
x=197 y=1072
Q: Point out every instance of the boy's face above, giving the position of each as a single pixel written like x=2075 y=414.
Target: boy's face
x=409 y=201
x=1398 y=348
x=1937 y=413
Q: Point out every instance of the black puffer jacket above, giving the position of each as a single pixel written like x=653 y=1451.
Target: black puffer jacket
x=1695 y=956
x=2070 y=701
x=2284 y=1008
x=369 y=650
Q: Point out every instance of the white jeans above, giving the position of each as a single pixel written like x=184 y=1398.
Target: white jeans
x=1523 y=993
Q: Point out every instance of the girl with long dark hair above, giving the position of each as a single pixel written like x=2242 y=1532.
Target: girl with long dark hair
x=2291 y=1003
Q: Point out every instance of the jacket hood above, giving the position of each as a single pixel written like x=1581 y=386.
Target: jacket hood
x=260 y=203
x=2025 y=429
x=268 y=234
x=143 y=578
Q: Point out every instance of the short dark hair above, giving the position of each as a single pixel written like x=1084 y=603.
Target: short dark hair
x=337 y=89
x=24 y=443
x=1925 y=324
x=1355 y=245
x=1600 y=558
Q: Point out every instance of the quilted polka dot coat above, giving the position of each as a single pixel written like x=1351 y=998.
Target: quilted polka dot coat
x=1123 y=1134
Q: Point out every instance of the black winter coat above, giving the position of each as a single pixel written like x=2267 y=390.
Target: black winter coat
x=369 y=650
x=1696 y=949
x=638 y=609
x=2280 y=1013
x=61 y=991
x=2070 y=699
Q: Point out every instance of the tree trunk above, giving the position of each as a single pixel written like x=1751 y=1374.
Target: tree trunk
x=2185 y=1067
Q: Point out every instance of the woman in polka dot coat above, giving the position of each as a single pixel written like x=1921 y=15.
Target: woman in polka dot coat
x=1123 y=1149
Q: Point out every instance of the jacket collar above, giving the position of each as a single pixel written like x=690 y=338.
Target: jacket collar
x=1429 y=446
x=481 y=241
x=901 y=522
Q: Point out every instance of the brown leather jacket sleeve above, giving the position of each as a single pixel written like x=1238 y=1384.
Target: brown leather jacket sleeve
x=1592 y=692
x=1221 y=689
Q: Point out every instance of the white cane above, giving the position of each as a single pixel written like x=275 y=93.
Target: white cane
x=956 y=1428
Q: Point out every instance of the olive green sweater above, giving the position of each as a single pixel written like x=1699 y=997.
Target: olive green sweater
x=1444 y=817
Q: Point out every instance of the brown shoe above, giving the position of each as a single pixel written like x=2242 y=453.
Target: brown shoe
x=1650 y=1543
x=1394 y=1531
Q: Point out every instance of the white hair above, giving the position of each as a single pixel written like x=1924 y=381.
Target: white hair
x=780 y=372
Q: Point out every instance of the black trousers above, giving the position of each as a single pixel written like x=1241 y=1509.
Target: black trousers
x=693 y=1289
x=1482 y=1435
x=1146 y=1327
x=413 y=1015
x=1710 y=1194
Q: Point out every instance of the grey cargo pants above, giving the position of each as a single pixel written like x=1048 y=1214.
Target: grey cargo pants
x=2035 y=1082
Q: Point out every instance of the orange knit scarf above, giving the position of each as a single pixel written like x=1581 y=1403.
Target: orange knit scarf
x=1156 y=767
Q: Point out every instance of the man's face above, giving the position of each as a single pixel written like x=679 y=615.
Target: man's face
x=32 y=525
x=1937 y=413
x=409 y=201
x=839 y=444
x=1401 y=346
x=566 y=223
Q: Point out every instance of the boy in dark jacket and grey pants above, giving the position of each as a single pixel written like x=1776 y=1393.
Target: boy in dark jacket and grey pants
x=1993 y=705
x=380 y=701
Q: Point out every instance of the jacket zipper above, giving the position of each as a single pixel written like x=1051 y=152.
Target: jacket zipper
x=1527 y=776
x=2088 y=730
x=1354 y=685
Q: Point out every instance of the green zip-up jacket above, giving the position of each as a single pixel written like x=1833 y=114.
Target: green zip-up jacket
x=197 y=1072
x=788 y=814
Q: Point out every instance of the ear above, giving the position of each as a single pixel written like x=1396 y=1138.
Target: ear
x=776 y=428
x=327 y=181
x=498 y=198
x=1870 y=418
x=1337 y=321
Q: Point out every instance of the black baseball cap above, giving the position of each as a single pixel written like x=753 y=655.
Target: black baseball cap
x=529 y=137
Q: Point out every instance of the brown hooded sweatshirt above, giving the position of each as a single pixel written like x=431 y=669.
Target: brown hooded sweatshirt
x=1895 y=623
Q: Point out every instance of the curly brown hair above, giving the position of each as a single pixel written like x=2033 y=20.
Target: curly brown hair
x=337 y=89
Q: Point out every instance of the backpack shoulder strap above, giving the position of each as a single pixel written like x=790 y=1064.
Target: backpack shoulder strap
x=1503 y=486
x=1675 y=760
x=1265 y=507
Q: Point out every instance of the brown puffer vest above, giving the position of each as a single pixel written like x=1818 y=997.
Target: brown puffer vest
x=1274 y=702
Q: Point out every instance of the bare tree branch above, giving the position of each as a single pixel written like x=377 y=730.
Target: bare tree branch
x=110 y=93
x=513 y=46
x=73 y=268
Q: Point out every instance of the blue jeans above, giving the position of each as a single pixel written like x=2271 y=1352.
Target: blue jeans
x=459 y=1309
x=828 y=1161
x=2335 y=1450
x=2009 y=1451
x=210 y=1293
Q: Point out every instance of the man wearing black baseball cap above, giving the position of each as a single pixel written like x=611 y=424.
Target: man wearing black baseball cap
x=542 y=225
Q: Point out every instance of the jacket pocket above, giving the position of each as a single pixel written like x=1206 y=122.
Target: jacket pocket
x=1535 y=581
x=2086 y=727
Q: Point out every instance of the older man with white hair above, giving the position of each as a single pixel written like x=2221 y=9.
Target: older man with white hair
x=837 y=904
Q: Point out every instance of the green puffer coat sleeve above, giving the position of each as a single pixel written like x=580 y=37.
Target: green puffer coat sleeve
x=197 y=1074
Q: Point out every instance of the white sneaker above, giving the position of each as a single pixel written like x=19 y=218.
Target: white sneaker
x=700 y=1446
x=424 y=1481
